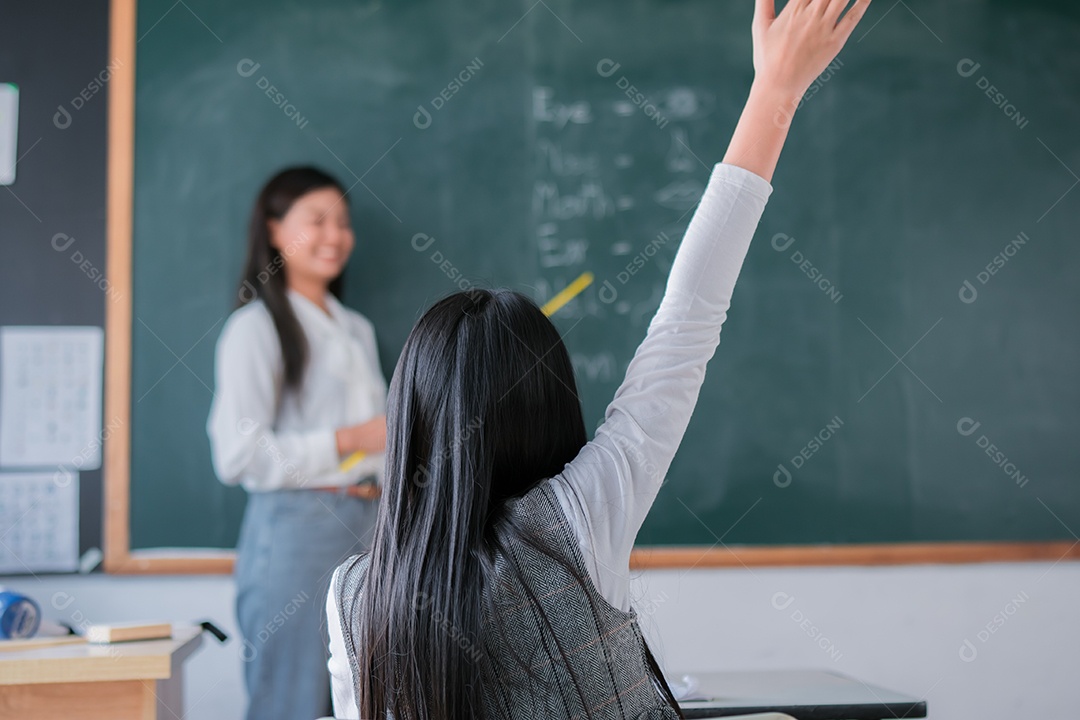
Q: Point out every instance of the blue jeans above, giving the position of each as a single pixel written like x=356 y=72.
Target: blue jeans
x=290 y=543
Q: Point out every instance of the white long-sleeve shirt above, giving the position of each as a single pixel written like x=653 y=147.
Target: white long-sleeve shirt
x=607 y=490
x=265 y=439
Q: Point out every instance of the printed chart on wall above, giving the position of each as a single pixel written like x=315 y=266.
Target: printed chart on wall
x=50 y=429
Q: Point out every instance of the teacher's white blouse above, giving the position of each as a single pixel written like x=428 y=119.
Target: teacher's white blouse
x=265 y=439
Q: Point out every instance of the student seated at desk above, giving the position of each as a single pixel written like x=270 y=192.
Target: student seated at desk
x=497 y=584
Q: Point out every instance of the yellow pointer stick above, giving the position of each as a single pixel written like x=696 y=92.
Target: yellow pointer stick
x=567 y=294
x=350 y=462
x=550 y=308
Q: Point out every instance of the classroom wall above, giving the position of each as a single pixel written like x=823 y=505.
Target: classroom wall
x=900 y=627
x=52 y=220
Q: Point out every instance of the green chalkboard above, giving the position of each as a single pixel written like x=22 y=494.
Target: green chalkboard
x=900 y=361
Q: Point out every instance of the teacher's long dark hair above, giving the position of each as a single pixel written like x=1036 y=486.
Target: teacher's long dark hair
x=482 y=407
x=264 y=269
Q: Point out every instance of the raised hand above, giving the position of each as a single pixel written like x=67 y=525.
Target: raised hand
x=789 y=52
x=794 y=48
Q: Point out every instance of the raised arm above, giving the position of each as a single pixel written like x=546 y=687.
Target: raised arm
x=608 y=488
x=789 y=52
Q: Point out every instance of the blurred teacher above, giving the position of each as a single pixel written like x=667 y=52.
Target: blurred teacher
x=299 y=395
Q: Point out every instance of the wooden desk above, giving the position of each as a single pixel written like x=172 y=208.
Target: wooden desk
x=121 y=681
x=803 y=694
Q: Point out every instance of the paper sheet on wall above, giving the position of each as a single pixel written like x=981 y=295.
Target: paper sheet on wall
x=39 y=522
x=9 y=131
x=50 y=397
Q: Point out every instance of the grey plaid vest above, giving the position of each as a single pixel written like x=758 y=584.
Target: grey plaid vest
x=603 y=644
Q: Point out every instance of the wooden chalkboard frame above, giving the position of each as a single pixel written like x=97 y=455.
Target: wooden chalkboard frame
x=121 y=559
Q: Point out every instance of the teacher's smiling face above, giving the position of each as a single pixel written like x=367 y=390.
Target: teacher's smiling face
x=314 y=237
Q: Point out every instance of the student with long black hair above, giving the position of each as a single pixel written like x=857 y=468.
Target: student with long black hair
x=298 y=388
x=497 y=586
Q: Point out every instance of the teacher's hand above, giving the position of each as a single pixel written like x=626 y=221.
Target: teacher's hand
x=365 y=437
x=367 y=491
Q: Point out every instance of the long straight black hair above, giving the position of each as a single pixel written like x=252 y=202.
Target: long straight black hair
x=264 y=269
x=482 y=407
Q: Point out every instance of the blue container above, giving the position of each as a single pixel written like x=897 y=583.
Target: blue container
x=19 y=616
